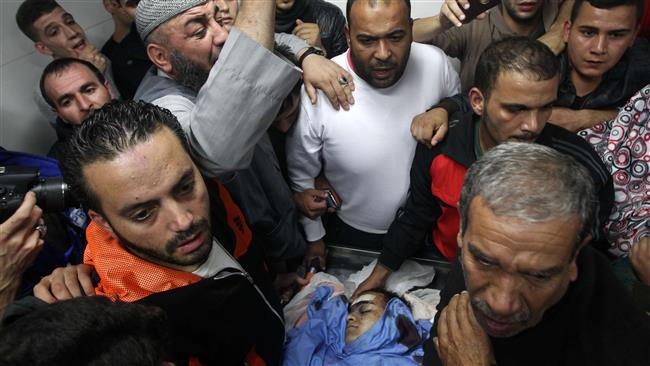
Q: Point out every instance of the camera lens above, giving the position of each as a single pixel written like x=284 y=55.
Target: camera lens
x=51 y=194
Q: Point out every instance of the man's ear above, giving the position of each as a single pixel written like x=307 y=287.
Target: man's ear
x=43 y=49
x=567 y=30
x=346 y=30
x=159 y=55
x=573 y=266
x=100 y=220
x=477 y=100
x=459 y=238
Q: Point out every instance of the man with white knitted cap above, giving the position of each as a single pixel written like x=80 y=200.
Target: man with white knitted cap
x=225 y=88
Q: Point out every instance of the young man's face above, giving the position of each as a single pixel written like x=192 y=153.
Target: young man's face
x=155 y=202
x=598 y=38
x=59 y=35
x=517 y=109
x=122 y=10
x=515 y=270
x=227 y=13
x=130 y=8
x=523 y=11
x=76 y=92
x=363 y=314
x=380 y=41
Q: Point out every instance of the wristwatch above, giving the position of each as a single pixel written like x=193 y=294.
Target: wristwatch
x=309 y=51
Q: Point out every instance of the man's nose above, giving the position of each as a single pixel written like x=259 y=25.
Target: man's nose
x=600 y=46
x=532 y=122
x=86 y=104
x=222 y=6
x=70 y=32
x=383 y=51
x=504 y=297
x=219 y=33
x=181 y=218
x=351 y=317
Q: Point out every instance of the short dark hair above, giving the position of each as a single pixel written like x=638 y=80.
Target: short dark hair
x=111 y=130
x=608 y=4
x=372 y=4
x=29 y=12
x=87 y=331
x=519 y=54
x=60 y=65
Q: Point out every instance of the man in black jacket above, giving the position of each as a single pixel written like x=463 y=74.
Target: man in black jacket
x=527 y=289
x=602 y=66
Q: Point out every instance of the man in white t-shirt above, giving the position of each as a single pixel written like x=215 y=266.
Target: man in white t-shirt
x=365 y=153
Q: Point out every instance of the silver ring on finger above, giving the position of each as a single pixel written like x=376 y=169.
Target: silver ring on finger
x=42 y=230
x=343 y=81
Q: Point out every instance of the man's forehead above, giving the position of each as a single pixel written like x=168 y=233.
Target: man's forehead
x=46 y=19
x=509 y=85
x=506 y=78
x=76 y=70
x=68 y=79
x=373 y=16
x=157 y=163
x=507 y=236
x=197 y=11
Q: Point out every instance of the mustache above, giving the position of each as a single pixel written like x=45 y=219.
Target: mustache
x=520 y=317
x=379 y=64
x=526 y=136
x=183 y=236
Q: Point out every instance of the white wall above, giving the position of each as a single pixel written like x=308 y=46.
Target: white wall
x=22 y=126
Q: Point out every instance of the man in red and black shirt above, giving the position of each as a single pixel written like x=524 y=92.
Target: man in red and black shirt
x=515 y=87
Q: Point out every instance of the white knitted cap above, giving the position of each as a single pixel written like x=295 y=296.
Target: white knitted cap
x=152 y=13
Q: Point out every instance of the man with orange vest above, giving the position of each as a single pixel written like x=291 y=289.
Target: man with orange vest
x=163 y=235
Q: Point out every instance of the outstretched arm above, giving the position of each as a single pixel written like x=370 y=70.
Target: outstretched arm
x=452 y=14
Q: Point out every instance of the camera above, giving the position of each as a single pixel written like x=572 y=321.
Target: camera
x=52 y=194
x=476 y=7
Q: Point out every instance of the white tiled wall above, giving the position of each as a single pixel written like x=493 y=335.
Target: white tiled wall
x=22 y=126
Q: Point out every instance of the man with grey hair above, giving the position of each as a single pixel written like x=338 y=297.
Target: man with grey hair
x=225 y=88
x=527 y=289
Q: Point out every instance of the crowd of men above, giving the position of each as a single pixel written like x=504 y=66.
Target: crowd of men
x=214 y=148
